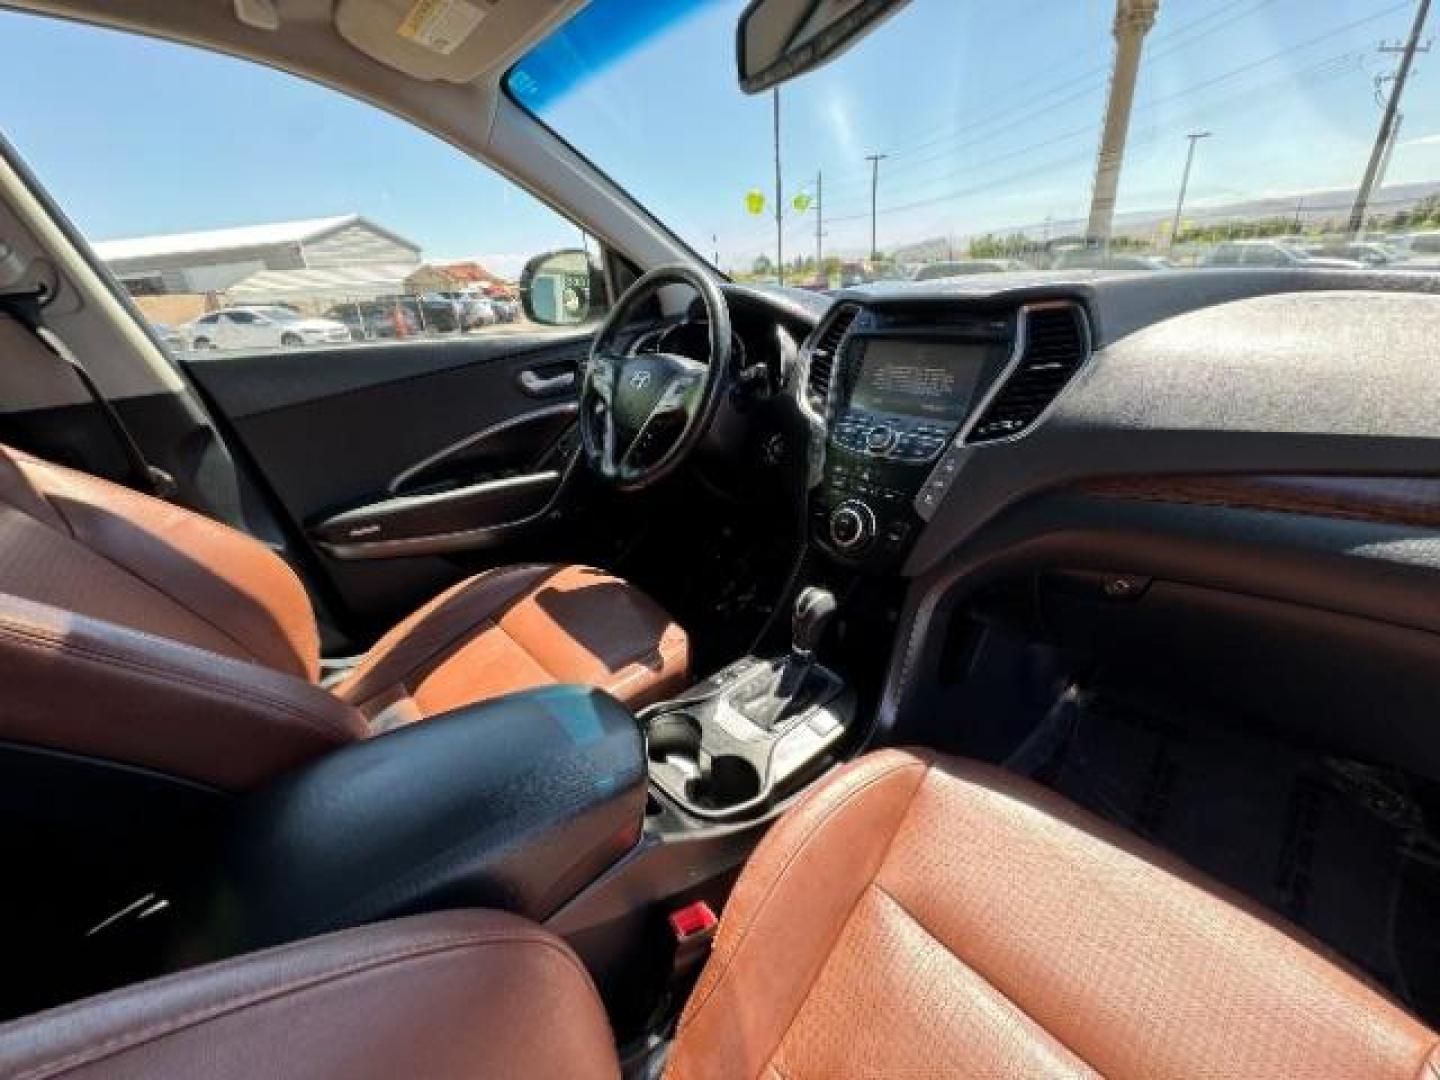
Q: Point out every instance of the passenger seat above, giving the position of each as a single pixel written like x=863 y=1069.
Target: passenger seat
x=914 y=916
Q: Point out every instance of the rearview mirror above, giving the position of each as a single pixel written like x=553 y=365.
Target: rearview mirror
x=562 y=288
x=776 y=40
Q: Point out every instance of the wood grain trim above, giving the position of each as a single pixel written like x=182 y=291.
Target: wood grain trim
x=1391 y=500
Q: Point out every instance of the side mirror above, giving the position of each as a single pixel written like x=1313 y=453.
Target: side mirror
x=776 y=40
x=563 y=288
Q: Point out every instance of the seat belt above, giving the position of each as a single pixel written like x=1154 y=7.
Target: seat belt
x=25 y=308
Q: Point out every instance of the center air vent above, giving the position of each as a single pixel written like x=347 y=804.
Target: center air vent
x=1057 y=343
x=822 y=355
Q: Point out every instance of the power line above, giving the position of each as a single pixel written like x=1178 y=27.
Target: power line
x=1006 y=116
x=1049 y=106
x=1093 y=128
x=1320 y=66
x=908 y=178
x=1024 y=174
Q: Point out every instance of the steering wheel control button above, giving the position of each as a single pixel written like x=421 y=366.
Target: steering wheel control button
x=852 y=526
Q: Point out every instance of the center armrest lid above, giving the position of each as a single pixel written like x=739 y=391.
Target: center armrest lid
x=516 y=803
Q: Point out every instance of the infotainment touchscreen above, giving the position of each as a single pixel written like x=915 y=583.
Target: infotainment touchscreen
x=914 y=378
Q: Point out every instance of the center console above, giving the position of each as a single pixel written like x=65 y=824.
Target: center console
x=754 y=732
x=516 y=803
x=903 y=385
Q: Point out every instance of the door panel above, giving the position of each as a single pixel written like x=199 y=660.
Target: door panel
x=418 y=438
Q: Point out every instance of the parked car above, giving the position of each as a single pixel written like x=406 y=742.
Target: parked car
x=1424 y=243
x=261 y=326
x=1272 y=253
x=1367 y=253
x=370 y=320
x=475 y=311
x=507 y=308
x=966 y=267
x=171 y=337
x=1080 y=258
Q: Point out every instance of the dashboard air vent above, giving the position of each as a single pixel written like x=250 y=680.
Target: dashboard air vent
x=1057 y=342
x=822 y=356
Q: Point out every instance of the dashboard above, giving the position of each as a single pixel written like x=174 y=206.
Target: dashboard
x=1229 y=478
x=905 y=387
x=937 y=409
x=942 y=405
x=1222 y=486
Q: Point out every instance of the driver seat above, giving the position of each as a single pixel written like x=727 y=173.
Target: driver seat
x=134 y=630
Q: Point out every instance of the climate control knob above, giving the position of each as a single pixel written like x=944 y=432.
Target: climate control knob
x=852 y=525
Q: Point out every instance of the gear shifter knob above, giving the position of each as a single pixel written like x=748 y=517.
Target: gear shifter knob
x=814 y=608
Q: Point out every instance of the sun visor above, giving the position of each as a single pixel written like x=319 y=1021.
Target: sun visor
x=448 y=40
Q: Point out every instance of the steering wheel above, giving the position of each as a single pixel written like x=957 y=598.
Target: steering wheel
x=630 y=403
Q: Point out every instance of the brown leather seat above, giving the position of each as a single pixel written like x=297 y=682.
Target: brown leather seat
x=136 y=630
x=914 y=916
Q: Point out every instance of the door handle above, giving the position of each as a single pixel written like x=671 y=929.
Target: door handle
x=540 y=386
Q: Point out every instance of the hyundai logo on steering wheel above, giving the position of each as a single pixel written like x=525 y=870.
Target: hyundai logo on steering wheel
x=639 y=380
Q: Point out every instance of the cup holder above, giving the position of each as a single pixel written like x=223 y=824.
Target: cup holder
x=675 y=739
x=730 y=781
x=673 y=744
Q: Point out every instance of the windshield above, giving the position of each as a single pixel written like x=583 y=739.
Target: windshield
x=963 y=131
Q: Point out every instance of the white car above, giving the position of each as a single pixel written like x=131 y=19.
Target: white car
x=260 y=327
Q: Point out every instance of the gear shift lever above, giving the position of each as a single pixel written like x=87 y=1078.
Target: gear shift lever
x=814 y=608
x=810 y=618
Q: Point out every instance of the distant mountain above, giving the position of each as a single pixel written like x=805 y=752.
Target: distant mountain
x=1311 y=207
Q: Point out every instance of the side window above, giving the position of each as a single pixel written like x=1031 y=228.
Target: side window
x=343 y=223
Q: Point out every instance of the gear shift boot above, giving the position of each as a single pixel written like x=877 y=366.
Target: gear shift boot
x=787 y=690
x=795 y=682
x=755 y=731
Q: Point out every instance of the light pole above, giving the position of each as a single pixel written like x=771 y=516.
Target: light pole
x=819 y=226
x=779 y=224
x=1194 y=137
x=874 y=160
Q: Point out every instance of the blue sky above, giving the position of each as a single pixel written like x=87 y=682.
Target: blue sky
x=989 y=112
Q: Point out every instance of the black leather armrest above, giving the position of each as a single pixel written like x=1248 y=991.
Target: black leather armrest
x=516 y=803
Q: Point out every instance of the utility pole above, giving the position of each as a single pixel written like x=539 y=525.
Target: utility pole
x=1133 y=20
x=715 y=243
x=1194 y=137
x=1388 y=120
x=779 y=226
x=1389 y=150
x=874 y=160
x=819 y=223
x=1399 y=116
